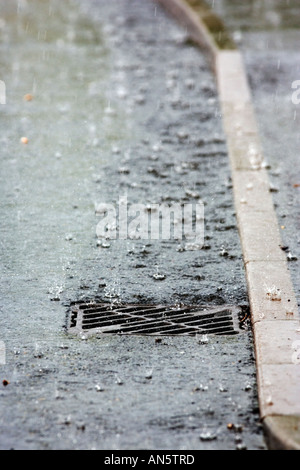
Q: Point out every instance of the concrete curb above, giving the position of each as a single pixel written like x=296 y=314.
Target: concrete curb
x=274 y=309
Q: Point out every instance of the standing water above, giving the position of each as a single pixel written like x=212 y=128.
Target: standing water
x=107 y=101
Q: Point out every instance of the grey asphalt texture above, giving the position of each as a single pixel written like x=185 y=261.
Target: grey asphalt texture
x=122 y=104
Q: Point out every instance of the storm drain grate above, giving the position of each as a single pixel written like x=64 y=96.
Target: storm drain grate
x=93 y=318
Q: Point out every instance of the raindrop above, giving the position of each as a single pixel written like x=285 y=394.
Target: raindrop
x=180 y=248
x=203 y=388
x=67 y=420
x=173 y=73
x=273 y=189
x=182 y=134
x=140 y=99
x=265 y=165
x=121 y=92
x=208 y=436
x=119 y=381
x=99 y=388
x=241 y=446
x=109 y=111
x=273 y=294
x=159 y=277
x=103 y=244
x=170 y=84
x=115 y=149
x=291 y=257
x=192 y=247
x=254 y=157
x=223 y=251
x=156 y=148
x=190 y=83
x=192 y=194
x=124 y=170
x=237 y=36
x=203 y=339
x=238 y=427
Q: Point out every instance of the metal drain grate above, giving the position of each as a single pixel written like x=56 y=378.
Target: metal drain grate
x=92 y=318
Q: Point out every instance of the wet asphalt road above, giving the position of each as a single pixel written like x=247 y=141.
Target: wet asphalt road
x=122 y=105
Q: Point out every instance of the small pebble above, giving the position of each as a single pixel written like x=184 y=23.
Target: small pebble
x=28 y=97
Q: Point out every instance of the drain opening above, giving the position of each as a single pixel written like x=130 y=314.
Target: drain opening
x=103 y=318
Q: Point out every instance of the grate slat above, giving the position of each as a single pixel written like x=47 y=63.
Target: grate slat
x=141 y=319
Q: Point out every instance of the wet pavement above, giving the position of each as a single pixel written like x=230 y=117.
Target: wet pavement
x=122 y=105
x=268 y=35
